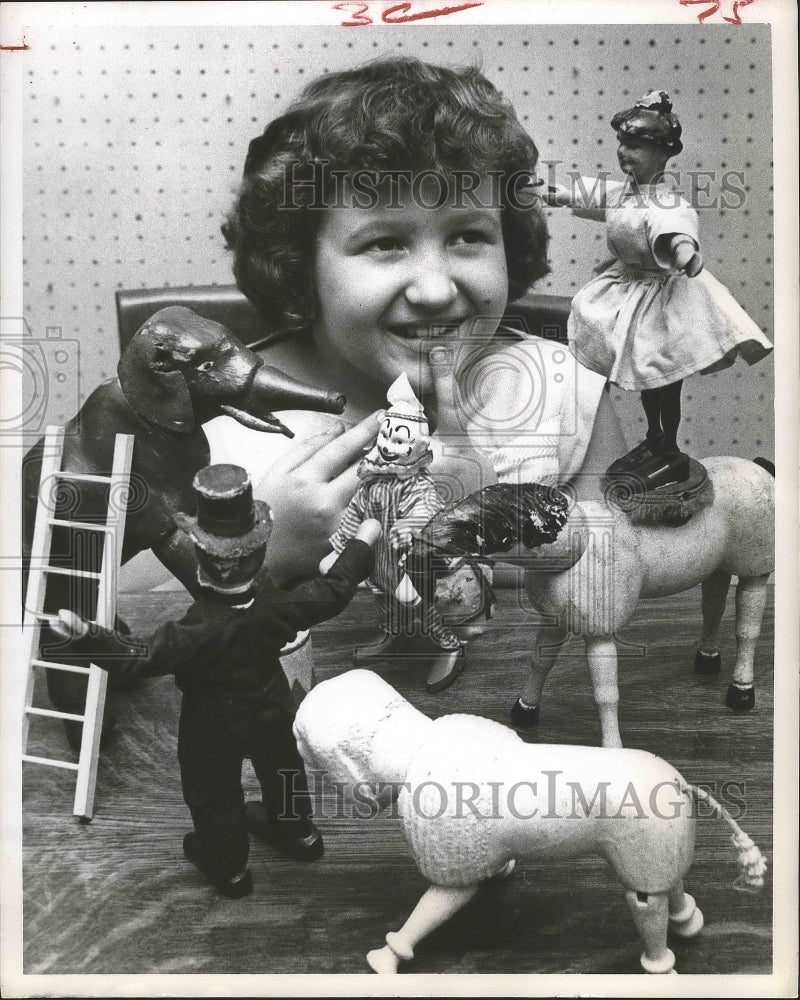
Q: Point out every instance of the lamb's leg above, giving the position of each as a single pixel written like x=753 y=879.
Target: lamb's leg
x=715 y=592
x=650 y=915
x=526 y=710
x=601 y=654
x=751 y=599
x=685 y=916
x=438 y=904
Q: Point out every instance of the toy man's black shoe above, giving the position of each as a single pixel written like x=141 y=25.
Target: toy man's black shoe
x=643 y=452
x=306 y=847
x=445 y=666
x=233 y=886
x=665 y=469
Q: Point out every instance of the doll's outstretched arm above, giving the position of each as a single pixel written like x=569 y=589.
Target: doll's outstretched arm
x=122 y=656
x=684 y=255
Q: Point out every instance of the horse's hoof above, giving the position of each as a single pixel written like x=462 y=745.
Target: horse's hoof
x=707 y=663
x=524 y=715
x=741 y=699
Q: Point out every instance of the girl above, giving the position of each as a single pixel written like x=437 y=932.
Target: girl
x=652 y=316
x=379 y=229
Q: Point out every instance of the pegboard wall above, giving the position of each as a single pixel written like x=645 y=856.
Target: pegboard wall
x=134 y=141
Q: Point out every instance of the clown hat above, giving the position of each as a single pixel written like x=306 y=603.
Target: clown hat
x=403 y=403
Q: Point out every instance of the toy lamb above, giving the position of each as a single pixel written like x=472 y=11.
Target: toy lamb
x=473 y=798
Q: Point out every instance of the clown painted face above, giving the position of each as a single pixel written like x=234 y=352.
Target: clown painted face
x=400 y=440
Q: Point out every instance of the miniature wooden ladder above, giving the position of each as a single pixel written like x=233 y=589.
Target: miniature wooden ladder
x=114 y=530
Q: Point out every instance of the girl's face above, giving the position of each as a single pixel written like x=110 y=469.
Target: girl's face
x=391 y=281
x=640 y=160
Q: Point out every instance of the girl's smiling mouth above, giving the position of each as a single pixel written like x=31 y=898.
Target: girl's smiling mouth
x=435 y=330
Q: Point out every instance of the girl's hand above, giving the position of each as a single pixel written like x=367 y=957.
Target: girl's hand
x=308 y=490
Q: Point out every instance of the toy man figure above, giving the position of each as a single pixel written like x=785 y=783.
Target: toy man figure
x=398 y=491
x=237 y=703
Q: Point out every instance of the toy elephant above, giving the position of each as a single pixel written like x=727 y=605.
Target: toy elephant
x=589 y=564
x=178 y=371
x=473 y=799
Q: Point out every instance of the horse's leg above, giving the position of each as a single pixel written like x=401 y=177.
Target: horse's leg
x=715 y=592
x=751 y=599
x=601 y=654
x=650 y=915
x=685 y=916
x=526 y=709
x=437 y=905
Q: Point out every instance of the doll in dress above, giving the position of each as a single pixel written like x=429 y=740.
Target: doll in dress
x=653 y=315
x=396 y=489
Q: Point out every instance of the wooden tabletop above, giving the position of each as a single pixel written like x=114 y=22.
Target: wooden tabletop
x=116 y=895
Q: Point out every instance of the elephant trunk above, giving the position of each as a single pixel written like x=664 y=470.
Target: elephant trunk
x=272 y=389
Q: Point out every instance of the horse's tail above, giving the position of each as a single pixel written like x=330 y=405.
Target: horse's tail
x=766 y=464
x=751 y=861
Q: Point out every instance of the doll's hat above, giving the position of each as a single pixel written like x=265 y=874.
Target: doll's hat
x=229 y=521
x=403 y=402
x=651 y=120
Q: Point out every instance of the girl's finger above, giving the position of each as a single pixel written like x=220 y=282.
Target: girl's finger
x=305 y=449
x=337 y=456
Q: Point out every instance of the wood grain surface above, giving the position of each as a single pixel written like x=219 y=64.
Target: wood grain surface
x=116 y=895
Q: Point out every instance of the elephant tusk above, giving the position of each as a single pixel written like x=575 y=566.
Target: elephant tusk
x=269 y=423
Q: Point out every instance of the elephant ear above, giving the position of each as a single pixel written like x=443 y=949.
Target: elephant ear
x=152 y=380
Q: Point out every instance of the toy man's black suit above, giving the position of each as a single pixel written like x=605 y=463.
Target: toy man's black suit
x=237 y=702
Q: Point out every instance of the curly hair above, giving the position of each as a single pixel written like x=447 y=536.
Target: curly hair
x=387 y=115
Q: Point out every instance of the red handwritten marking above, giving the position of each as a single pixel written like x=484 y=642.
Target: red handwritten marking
x=359 y=16
x=403 y=8
x=400 y=13
x=15 y=48
x=714 y=8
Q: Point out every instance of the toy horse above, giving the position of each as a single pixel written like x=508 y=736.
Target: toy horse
x=588 y=565
x=473 y=799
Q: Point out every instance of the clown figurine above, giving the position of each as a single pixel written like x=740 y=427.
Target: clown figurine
x=397 y=490
x=653 y=315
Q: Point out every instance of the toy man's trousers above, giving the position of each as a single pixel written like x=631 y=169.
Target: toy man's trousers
x=217 y=732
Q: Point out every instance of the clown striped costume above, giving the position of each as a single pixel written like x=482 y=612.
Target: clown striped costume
x=392 y=493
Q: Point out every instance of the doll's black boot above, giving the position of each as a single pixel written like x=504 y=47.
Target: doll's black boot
x=230 y=886
x=648 y=449
x=665 y=469
x=306 y=846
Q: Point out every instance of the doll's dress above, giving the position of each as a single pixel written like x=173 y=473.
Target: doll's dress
x=643 y=325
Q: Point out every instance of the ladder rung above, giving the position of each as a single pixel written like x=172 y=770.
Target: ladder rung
x=69 y=667
x=50 y=763
x=50 y=713
x=83 y=477
x=86 y=525
x=83 y=574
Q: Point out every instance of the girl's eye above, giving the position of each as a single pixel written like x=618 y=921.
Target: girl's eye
x=385 y=244
x=471 y=236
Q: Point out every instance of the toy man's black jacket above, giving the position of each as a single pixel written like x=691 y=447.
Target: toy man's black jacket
x=216 y=645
